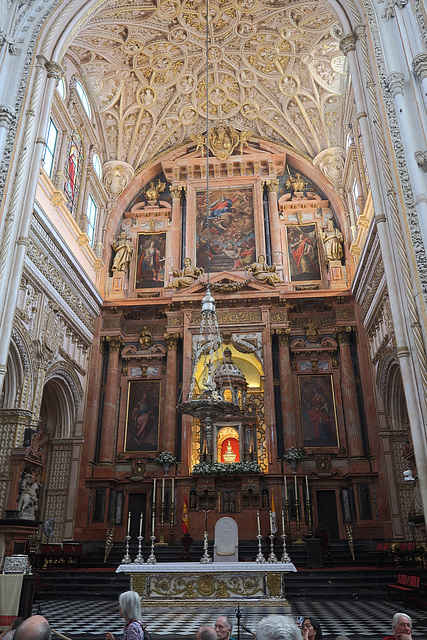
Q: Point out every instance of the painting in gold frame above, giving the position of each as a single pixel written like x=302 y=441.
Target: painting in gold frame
x=303 y=254
x=318 y=411
x=142 y=416
x=150 y=263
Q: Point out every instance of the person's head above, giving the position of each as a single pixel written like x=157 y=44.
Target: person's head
x=277 y=628
x=261 y=258
x=206 y=633
x=187 y=262
x=402 y=623
x=313 y=627
x=130 y=605
x=223 y=627
x=34 y=628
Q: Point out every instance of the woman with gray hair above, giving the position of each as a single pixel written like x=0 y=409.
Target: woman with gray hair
x=130 y=610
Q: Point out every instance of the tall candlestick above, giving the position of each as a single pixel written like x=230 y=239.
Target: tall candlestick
x=285 y=483
x=154 y=491
x=296 y=490
x=128 y=523
x=283 y=522
x=140 y=524
x=306 y=486
x=163 y=490
x=153 y=517
x=271 y=522
x=257 y=519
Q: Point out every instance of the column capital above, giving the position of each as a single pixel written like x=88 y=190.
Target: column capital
x=342 y=334
x=272 y=185
x=348 y=43
x=115 y=342
x=54 y=70
x=171 y=340
x=7 y=115
x=283 y=336
x=395 y=82
x=176 y=192
x=419 y=66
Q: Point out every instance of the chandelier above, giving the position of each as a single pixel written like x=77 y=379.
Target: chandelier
x=204 y=401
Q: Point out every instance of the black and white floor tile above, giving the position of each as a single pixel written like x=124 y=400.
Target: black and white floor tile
x=78 y=618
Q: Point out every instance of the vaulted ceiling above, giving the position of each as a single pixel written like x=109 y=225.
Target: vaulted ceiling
x=275 y=68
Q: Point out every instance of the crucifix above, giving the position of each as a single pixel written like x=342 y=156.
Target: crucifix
x=206 y=510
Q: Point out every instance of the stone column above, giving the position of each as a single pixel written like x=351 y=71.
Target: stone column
x=349 y=396
x=270 y=418
x=175 y=250
x=276 y=245
x=169 y=439
x=109 y=417
x=286 y=396
x=186 y=379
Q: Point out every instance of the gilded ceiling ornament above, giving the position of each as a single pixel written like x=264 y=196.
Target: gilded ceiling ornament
x=223 y=140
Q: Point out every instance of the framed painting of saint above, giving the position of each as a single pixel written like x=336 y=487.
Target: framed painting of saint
x=303 y=255
x=142 y=416
x=150 y=262
x=318 y=411
x=231 y=225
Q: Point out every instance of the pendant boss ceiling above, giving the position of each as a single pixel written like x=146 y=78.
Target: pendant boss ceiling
x=275 y=68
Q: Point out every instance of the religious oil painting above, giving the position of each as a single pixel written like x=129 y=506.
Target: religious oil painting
x=303 y=252
x=318 y=412
x=142 y=416
x=150 y=265
x=231 y=229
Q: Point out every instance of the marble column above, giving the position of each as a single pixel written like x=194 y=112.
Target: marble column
x=109 y=417
x=187 y=371
x=276 y=245
x=286 y=395
x=349 y=396
x=169 y=439
x=175 y=245
x=270 y=418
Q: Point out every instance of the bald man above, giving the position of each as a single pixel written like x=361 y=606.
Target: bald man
x=34 y=628
x=206 y=633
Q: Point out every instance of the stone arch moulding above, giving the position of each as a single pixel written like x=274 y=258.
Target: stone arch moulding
x=68 y=394
x=389 y=382
x=19 y=378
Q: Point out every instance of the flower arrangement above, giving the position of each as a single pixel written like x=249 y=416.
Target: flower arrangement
x=165 y=457
x=293 y=454
x=224 y=468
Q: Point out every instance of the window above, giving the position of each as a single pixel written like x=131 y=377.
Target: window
x=356 y=197
x=60 y=87
x=73 y=172
x=84 y=99
x=96 y=163
x=49 y=151
x=91 y=219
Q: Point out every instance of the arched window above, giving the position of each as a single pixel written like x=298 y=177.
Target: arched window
x=60 y=87
x=91 y=214
x=96 y=163
x=50 y=148
x=73 y=172
x=84 y=99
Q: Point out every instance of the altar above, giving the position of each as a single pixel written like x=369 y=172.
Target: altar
x=193 y=584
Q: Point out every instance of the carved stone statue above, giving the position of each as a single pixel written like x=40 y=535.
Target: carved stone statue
x=28 y=501
x=223 y=140
x=153 y=190
x=263 y=272
x=332 y=241
x=124 y=250
x=186 y=276
x=146 y=338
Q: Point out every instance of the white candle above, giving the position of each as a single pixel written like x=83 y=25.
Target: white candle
x=163 y=490
x=173 y=490
x=286 y=488
x=257 y=519
x=128 y=522
x=283 y=522
x=140 y=524
x=271 y=523
x=154 y=492
x=306 y=486
x=152 y=523
x=296 y=489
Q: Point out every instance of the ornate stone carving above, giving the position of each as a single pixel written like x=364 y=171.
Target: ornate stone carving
x=176 y=192
x=264 y=273
x=272 y=186
x=116 y=175
x=153 y=190
x=28 y=500
x=419 y=66
x=332 y=241
x=115 y=342
x=123 y=249
x=186 y=276
x=331 y=164
x=389 y=10
x=395 y=82
x=421 y=159
x=7 y=116
x=348 y=43
x=145 y=338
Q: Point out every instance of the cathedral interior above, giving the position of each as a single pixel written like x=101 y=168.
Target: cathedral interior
x=270 y=152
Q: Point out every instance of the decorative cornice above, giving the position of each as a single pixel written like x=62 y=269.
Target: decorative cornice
x=348 y=43
x=7 y=115
x=395 y=83
x=419 y=66
x=54 y=70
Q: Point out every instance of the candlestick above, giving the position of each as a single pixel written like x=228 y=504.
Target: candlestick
x=154 y=491
x=163 y=490
x=306 y=485
x=257 y=519
x=140 y=524
x=173 y=488
x=283 y=521
x=271 y=523
x=128 y=531
x=153 y=517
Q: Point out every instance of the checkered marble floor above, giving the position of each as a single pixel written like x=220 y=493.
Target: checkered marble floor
x=359 y=620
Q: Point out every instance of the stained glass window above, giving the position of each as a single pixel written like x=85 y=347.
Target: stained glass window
x=91 y=219
x=49 y=150
x=73 y=172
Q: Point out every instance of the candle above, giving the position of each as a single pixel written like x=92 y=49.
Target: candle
x=271 y=523
x=285 y=483
x=173 y=490
x=296 y=489
x=152 y=522
x=154 y=492
x=283 y=522
x=163 y=490
x=128 y=523
x=306 y=486
x=140 y=524
x=257 y=519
